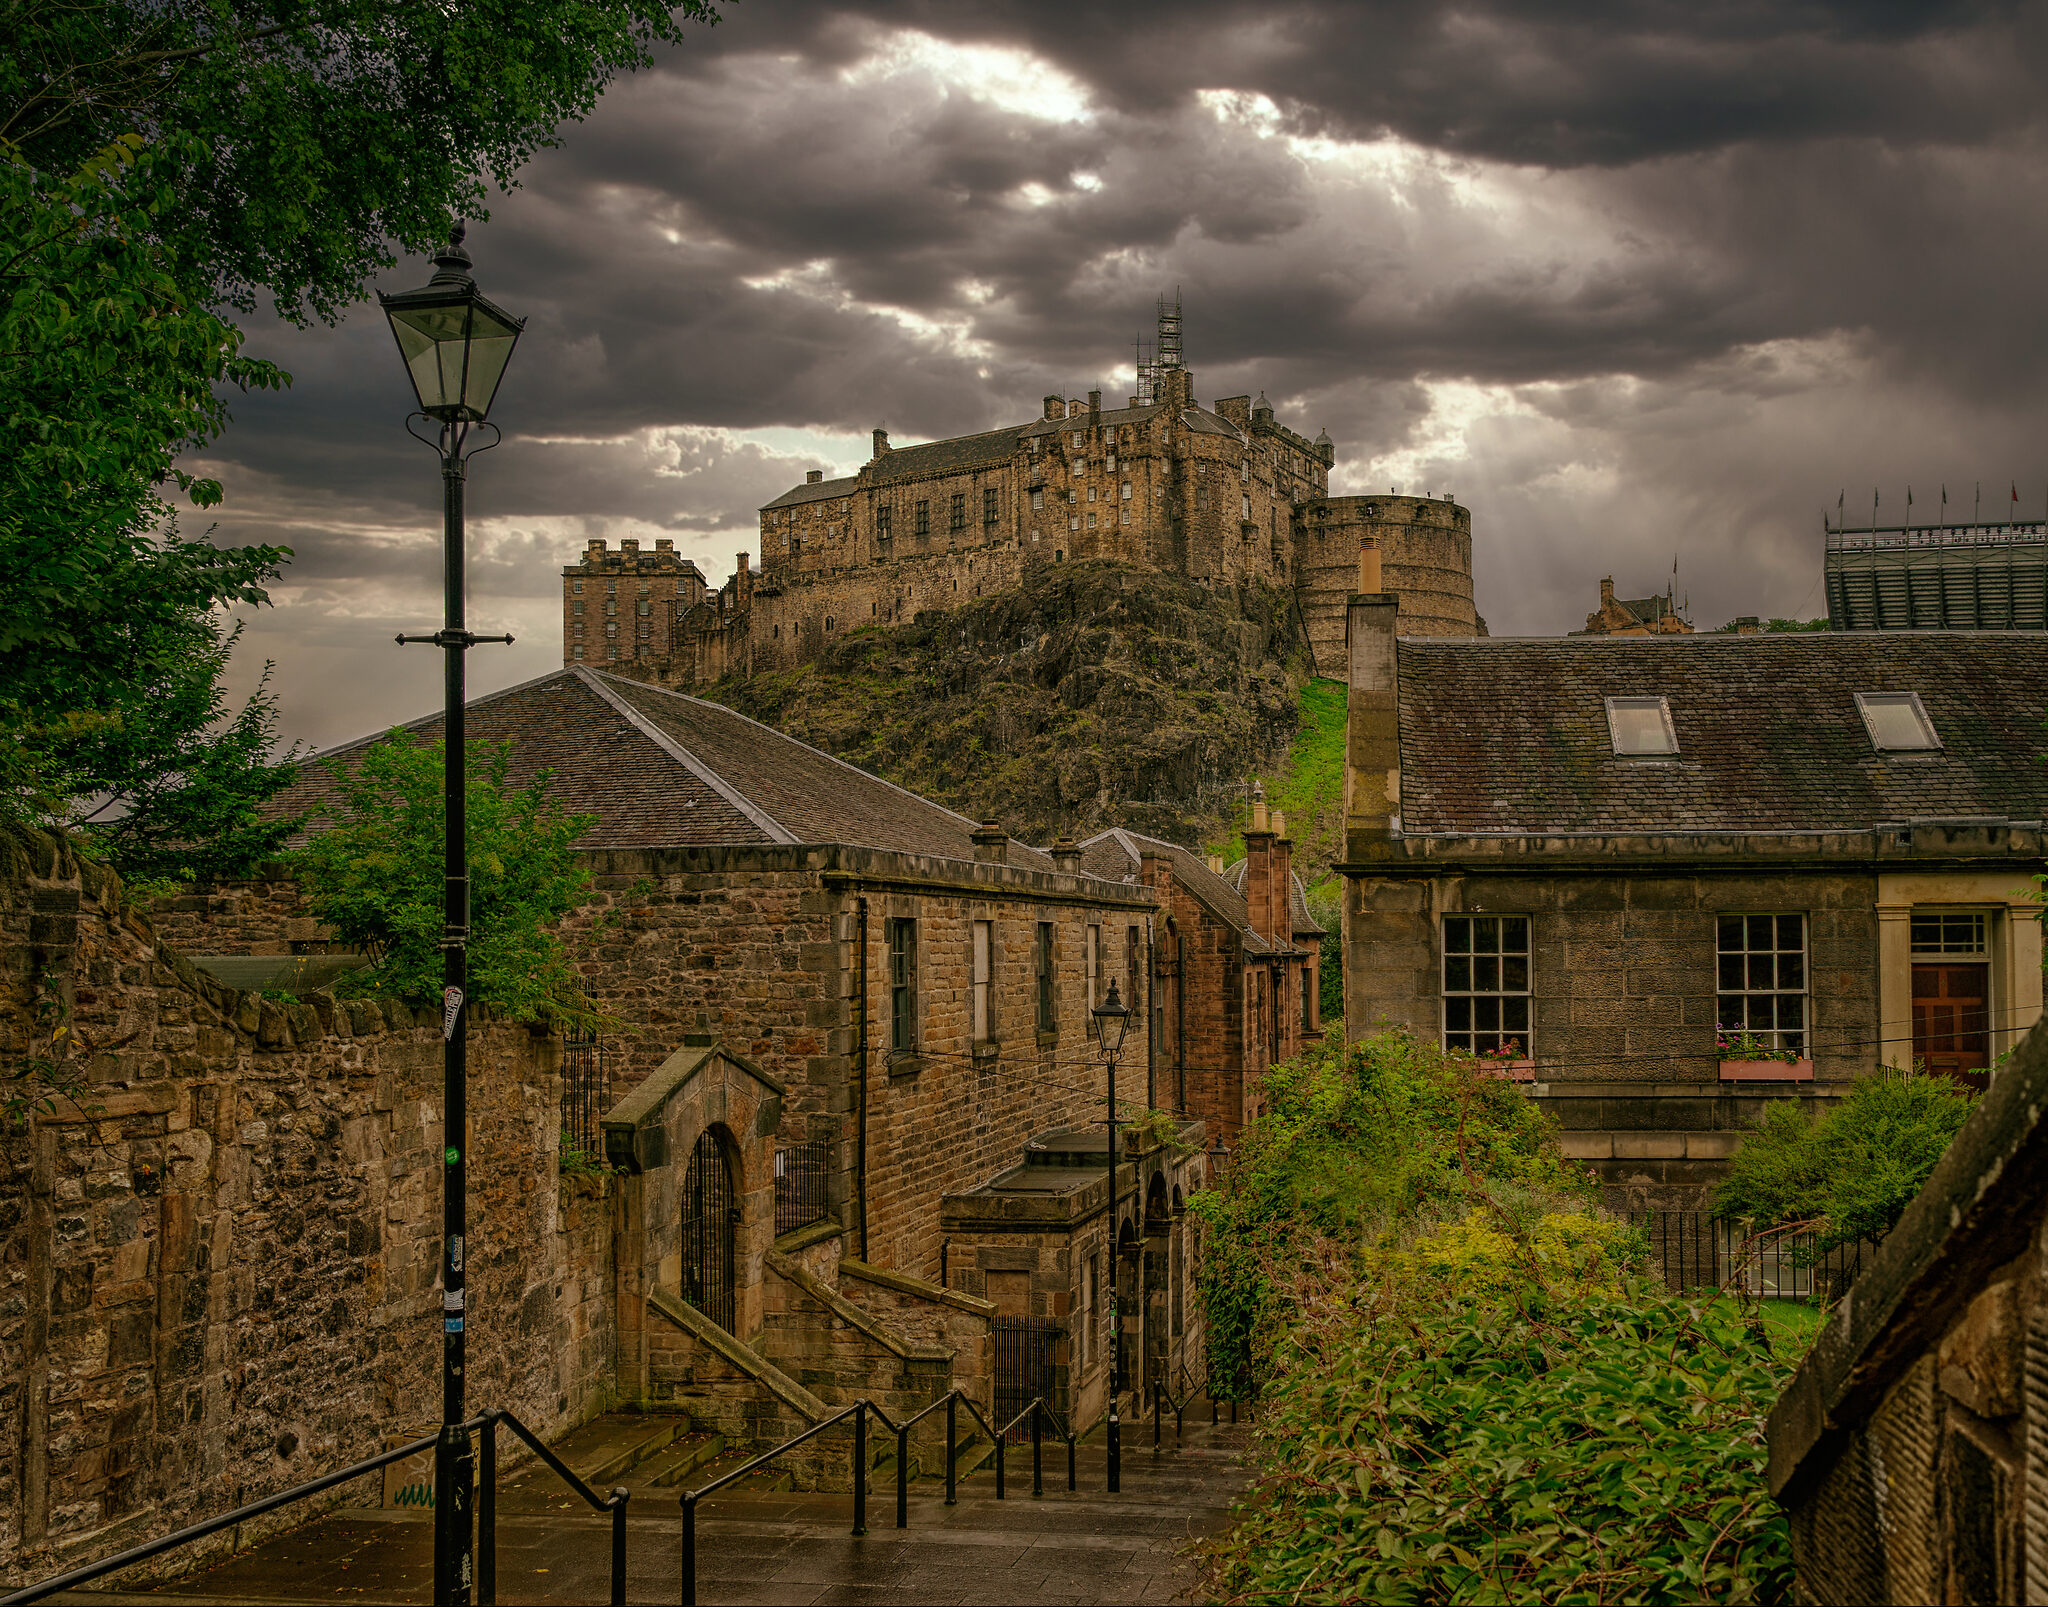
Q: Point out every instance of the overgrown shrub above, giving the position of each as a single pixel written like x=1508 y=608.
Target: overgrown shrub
x=373 y=871
x=1469 y=1390
x=1852 y=1171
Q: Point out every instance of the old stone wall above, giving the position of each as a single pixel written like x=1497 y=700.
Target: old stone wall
x=260 y=914
x=219 y=1277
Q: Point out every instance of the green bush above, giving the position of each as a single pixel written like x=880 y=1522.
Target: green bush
x=1468 y=1390
x=374 y=874
x=1852 y=1171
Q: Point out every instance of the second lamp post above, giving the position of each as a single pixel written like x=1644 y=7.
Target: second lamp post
x=1112 y=1020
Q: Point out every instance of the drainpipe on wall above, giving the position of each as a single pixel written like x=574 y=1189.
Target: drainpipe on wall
x=1180 y=1013
x=1151 y=1018
x=861 y=1137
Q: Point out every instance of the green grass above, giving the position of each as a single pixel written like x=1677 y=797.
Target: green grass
x=1309 y=789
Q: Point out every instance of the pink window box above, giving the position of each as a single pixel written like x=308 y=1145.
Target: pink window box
x=1512 y=1070
x=1767 y=1071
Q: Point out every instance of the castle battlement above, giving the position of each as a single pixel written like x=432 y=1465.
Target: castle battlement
x=1226 y=496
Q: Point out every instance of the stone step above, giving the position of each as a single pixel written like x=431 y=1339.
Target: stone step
x=610 y=1446
x=675 y=1465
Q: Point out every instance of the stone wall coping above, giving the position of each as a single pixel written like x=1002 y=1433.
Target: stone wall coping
x=811 y=1233
x=640 y=1106
x=1891 y=844
x=904 y=1284
x=1975 y=1214
x=847 y=1312
x=752 y=1363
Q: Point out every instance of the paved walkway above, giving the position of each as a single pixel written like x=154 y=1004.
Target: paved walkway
x=779 y=1547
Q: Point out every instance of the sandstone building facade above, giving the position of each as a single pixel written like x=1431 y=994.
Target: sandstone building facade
x=1226 y=495
x=1599 y=858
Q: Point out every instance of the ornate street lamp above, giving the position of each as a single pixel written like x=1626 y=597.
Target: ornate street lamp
x=455 y=344
x=1112 y=1020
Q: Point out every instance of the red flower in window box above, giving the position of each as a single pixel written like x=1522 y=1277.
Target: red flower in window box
x=1746 y=1058
x=1508 y=1062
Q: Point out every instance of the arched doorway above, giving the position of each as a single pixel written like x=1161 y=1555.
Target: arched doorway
x=710 y=1211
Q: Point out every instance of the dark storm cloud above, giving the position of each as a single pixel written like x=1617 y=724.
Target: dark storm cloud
x=1628 y=278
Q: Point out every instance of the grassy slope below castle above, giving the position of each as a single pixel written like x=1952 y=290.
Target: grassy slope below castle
x=1095 y=696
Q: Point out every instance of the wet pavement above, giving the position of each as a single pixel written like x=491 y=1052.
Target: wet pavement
x=765 y=1545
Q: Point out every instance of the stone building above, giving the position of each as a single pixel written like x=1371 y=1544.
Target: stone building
x=1234 y=969
x=1595 y=858
x=1226 y=495
x=899 y=1003
x=1635 y=616
x=1911 y=1448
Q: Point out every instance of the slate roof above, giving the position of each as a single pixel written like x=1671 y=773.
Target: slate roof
x=1505 y=735
x=814 y=491
x=661 y=770
x=1114 y=856
x=1303 y=923
x=945 y=457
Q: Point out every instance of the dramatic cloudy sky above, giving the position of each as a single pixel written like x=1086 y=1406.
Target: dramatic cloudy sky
x=1633 y=279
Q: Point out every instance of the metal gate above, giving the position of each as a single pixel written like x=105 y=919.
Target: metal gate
x=709 y=1215
x=586 y=1096
x=1024 y=1366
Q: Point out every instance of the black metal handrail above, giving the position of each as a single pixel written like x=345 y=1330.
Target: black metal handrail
x=487 y=1506
x=951 y=1402
x=1161 y=1393
x=227 y=1520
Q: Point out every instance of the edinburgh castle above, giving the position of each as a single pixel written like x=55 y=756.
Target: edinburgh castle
x=1225 y=495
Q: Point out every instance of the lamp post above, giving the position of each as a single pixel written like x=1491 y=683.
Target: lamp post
x=455 y=345
x=1112 y=1019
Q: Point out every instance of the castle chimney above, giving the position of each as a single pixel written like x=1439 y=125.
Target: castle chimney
x=991 y=844
x=1607 y=592
x=1216 y=864
x=1369 y=566
x=1279 y=824
x=1066 y=856
x=664 y=544
x=813 y=476
x=742 y=584
x=1258 y=807
x=1372 y=759
x=630 y=547
x=1095 y=401
x=881 y=440
x=593 y=549
x=1054 y=407
x=1258 y=868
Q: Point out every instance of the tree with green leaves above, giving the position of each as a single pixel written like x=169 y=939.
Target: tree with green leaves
x=373 y=869
x=161 y=160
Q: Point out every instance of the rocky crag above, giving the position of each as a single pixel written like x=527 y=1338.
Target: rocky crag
x=1096 y=696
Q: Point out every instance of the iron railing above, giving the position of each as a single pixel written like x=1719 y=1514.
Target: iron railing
x=586 y=1095
x=802 y=1184
x=1690 y=1250
x=1025 y=1369
x=487 y=1514
x=859 y=1412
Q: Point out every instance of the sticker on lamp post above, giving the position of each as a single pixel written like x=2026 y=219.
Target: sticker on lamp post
x=451 y=1007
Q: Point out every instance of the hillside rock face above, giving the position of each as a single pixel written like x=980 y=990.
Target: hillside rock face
x=1096 y=696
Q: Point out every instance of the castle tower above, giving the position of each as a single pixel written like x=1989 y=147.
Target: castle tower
x=1425 y=546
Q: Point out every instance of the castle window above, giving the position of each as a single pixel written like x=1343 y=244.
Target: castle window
x=924 y=519
x=796 y=546
x=1110 y=463
x=579 y=627
x=645 y=609
x=611 y=608
x=579 y=649
x=612 y=651
x=1079 y=467
x=1127 y=498
x=956 y=511
x=1244 y=507
x=882 y=524
x=1091 y=493
x=1077 y=440
x=988 y=508
x=1074 y=521
x=1091 y=521
x=576 y=586
x=646 y=587
x=1038 y=502
x=1072 y=498
x=611 y=630
x=1124 y=517
x=577 y=608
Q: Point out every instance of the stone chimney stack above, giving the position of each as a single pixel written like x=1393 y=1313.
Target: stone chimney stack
x=1607 y=592
x=1216 y=864
x=1095 y=401
x=1372 y=758
x=1066 y=856
x=742 y=584
x=881 y=441
x=1258 y=868
x=991 y=844
x=1054 y=407
x=813 y=476
x=593 y=549
x=629 y=548
x=1283 y=880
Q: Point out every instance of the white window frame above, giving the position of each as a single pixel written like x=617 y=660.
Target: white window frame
x=1642 y=705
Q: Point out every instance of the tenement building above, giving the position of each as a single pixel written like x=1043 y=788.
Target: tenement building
x=1669 y=880
x=1226 y=495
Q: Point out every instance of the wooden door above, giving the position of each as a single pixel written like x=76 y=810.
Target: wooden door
x=1951 y=1021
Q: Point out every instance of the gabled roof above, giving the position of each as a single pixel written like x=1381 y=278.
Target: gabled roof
x=1511 y=736
x=1115 y=855
x=814 y=491
x=661 y=770
x=1109 y=415
x=1302 y=923
x=944 y=457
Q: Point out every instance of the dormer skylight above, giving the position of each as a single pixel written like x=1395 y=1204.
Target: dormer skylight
x=1897 y=723
x=1641 y=726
